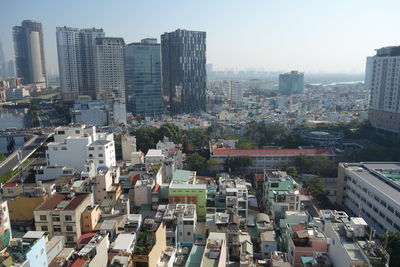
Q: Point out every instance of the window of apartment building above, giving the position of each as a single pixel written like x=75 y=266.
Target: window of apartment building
x=63 y=148
x=382 y=215
x=90 y=155
x=390 y=208
x=383 y=203
x=44 y=228
x=43 y=217
x=68 y=218
x=376 y=198
x=55 y=148
x=91 y=148
x=99 y=148
x=61 y=132
x=57 y=228
x=389 y=220
x=69 y=228
x=77 y=132
x=10 y=191
x=274 y=185
x=70 y=238
x=397 y=214
x=100 y=155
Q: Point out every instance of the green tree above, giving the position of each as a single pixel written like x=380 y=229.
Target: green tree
x=292 y=172
x=320 y=165
x=196 y=162
x=245 y=144
x=316 y=186
x=198 y=137
x=237 y=163
x=267 y=133
x=118 y=147
x=302 y=163
x=393 y=248
x=146 y=138
x=216 y=131
x=211 y=164
x=171 y=131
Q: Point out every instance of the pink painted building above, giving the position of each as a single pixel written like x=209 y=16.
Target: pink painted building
x=303 y=241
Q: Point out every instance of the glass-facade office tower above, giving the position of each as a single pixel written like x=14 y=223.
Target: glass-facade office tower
x=382 y=77
x=29 y=53
x=76 y=61
x=291 y=83
x=143 y=78
x=3 y=67
x=184 y=70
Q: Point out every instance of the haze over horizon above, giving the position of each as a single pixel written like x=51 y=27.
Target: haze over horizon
x=311 y=35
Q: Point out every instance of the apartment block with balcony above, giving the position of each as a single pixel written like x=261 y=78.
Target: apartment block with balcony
x=303 y=241
x=77 y=144
x=180 y=221
x=232 y=196
x=280 y=193
x=351 y=244
x=30 y=250
x=215 y=252
x=184 y=189
x=61 y=215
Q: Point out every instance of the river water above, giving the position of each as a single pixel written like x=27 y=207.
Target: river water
x=15 y=118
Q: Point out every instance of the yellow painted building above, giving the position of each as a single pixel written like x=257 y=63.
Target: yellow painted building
x=21 y=208
x=90 y=218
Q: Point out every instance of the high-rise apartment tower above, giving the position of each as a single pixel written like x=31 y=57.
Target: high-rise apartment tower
x=29 y=53
x=184 y=70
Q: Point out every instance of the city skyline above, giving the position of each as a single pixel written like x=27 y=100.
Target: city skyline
x=324 y=37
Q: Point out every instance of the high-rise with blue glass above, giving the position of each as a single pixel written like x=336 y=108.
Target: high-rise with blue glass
x=291 y=83
x=143 y=78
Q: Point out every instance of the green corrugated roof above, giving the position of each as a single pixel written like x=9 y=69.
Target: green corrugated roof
x=181 y=175
x=195 y=256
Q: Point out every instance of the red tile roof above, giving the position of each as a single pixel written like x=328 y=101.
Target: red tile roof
x=270 y=152
x=79 y=262
x=85 y=238
x=57 y=198
x=298 y=227
x=156 y=188
x=10 y=185
x=135 y=177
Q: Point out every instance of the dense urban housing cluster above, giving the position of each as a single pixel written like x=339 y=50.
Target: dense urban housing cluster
x=144 y=156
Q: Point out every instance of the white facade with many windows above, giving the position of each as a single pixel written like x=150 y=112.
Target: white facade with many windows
x=371 y=191
x=77 y=145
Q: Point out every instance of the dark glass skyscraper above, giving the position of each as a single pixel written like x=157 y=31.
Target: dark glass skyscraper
x=143 y=78
x=29 y=53
x=184 y=70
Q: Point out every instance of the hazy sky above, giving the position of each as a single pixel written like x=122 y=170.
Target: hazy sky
x=276 y=35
